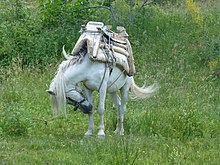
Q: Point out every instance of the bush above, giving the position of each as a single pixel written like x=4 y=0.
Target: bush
x=37 y=34
x=15 y=121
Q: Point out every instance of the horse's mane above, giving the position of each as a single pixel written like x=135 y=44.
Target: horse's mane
x=67 y=63
x=59 y=101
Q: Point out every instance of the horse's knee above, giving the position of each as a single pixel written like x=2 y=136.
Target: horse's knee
x=100 y=110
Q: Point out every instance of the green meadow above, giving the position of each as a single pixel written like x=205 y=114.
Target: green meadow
x=174 y=44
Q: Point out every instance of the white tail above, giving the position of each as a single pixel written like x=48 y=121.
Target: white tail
x=143 y=92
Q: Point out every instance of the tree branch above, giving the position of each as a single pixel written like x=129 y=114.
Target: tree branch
x=98 y=7
x=145 y=3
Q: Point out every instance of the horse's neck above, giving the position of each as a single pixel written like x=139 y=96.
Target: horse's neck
x=83 y=71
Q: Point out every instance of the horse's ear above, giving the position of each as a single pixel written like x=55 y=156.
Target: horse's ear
x=50 y=92
x=67 y=57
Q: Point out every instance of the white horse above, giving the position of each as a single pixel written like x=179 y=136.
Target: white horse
x=95 y=76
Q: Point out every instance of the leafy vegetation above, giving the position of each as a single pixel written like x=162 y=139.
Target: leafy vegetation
x=176 y=44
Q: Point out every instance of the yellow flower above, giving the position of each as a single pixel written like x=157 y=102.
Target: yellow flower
x=194 y=11
x=213 y=64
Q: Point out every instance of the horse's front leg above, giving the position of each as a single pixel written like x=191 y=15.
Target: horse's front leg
x=101 y=108
x=91 y=116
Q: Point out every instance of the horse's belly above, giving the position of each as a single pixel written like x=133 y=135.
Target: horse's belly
x=92 y=85
x=116 y=84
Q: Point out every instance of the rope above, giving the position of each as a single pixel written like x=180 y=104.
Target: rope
x=103 y=78
x=46 y=121
x=116 y=79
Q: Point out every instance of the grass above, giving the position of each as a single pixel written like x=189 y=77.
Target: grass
x=180 y=125
x=73 y=149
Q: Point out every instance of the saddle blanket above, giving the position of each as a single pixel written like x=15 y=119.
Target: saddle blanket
x=119 y=59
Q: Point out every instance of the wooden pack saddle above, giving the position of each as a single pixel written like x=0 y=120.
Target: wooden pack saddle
x=97 y=38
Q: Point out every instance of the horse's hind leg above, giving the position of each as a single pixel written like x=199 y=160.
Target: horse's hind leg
x=122 y=109
x=120 y=105
x=124 y=97
x=91 y=116
x=117 y=103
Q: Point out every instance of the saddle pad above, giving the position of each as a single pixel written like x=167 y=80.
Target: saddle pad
x=121 y=60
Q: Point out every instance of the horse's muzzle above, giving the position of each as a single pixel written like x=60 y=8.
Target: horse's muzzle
x=86 y=109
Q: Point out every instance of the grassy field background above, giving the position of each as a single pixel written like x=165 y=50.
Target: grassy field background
x=179 y=47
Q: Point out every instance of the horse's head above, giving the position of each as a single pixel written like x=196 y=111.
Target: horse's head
x=60 y=94
x=76 y=98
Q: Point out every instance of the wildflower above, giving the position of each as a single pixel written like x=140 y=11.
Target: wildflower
x=195 y=12
x=213 y=63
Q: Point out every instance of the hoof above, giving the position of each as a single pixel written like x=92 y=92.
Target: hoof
x=119 y=132
x=116 y=131
x=88 y=133
x=101 y=137
x=101 y=133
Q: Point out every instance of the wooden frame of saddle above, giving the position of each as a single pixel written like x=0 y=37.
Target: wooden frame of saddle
x=95 y=36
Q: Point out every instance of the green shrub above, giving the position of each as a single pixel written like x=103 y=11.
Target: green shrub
x=15 y=121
